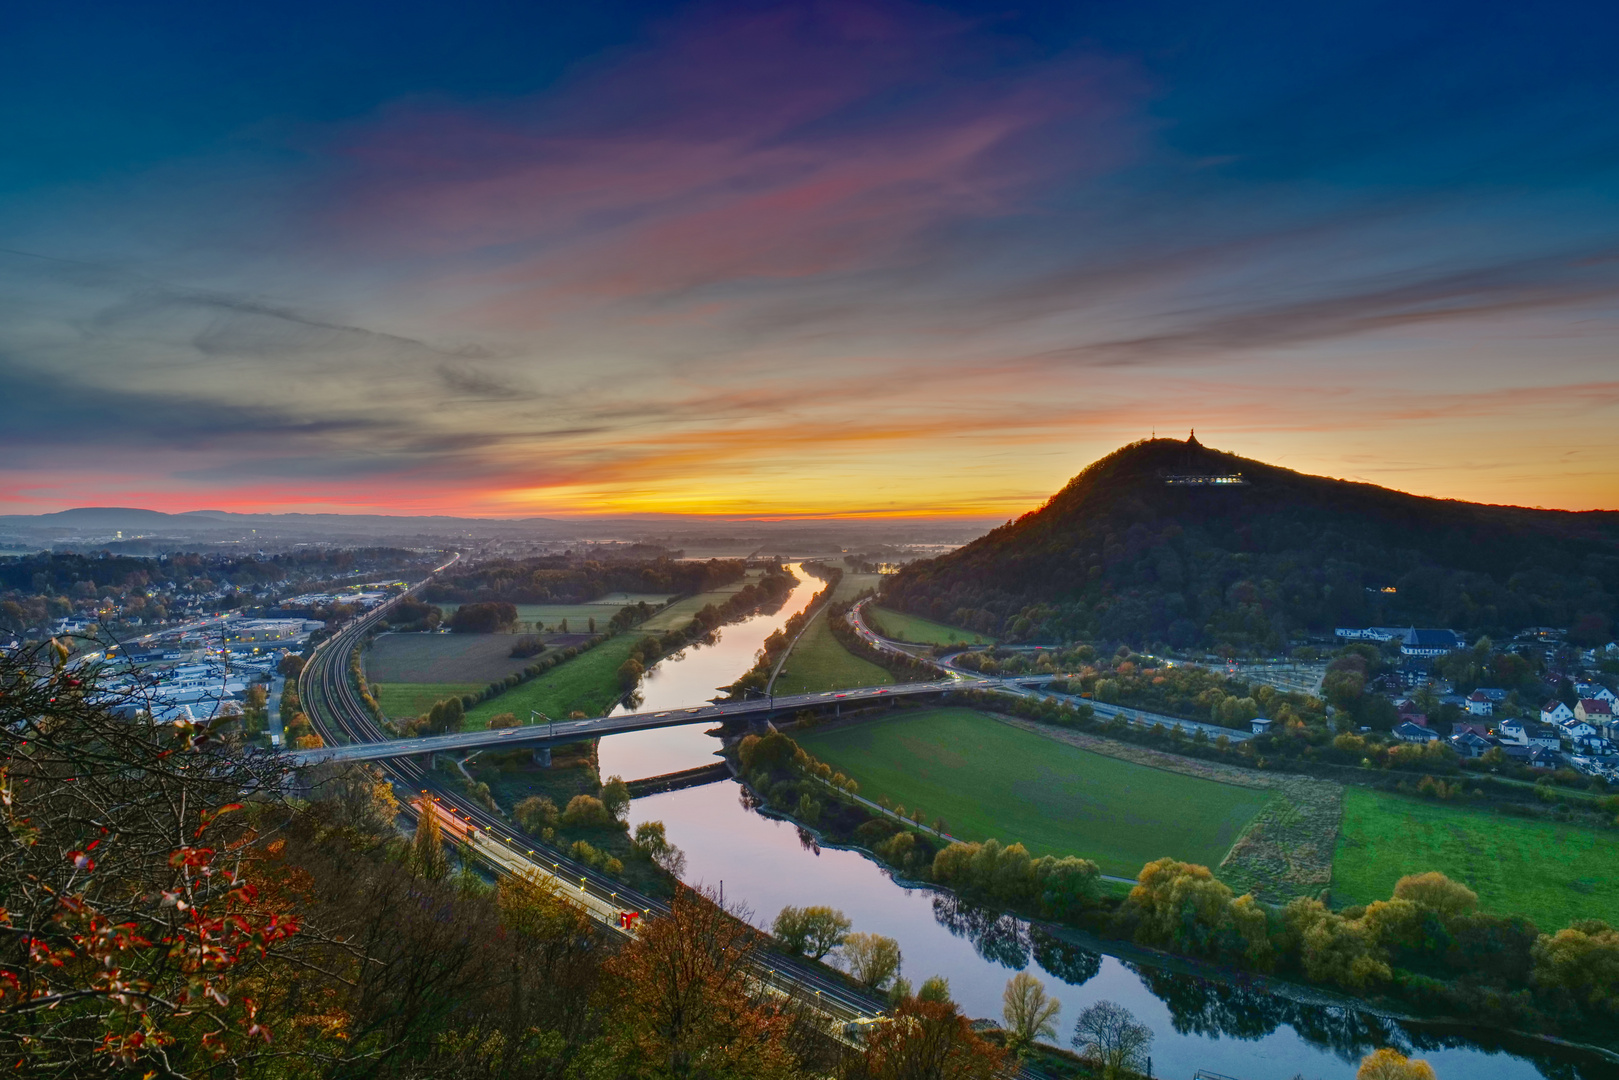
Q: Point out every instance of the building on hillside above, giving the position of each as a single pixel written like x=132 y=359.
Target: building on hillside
x=1543 y=758
x=1578 y=729
x=1415 y=733
x=1469 y=745
x=1529 y=734
x=1555 y=712
x=1259 y=725
x=1414 y=641
x=1594 y=711
x=1465 y=727
x=1479 y=704
x=1597 y=692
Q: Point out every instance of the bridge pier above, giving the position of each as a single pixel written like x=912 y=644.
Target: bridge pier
x=542 y=756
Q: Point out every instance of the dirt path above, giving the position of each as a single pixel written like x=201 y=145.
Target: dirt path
x=1286 y=850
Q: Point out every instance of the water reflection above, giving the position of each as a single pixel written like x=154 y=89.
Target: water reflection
x=1071 y=963
x=690 y=677
x=1239 y=1008
x=999 y=938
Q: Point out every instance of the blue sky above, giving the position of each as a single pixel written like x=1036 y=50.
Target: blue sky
x=810 y=258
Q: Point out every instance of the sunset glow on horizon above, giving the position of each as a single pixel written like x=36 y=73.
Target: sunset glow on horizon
x=843 y=260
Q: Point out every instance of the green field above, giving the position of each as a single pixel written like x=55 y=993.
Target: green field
x=578 y=615
x=413 y=699
x=1552 y=873
x=919 y=631
x=988 y=779
x=588 y=683
x=819 y=663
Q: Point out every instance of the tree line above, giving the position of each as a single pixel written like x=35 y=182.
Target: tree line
x=1427 y=950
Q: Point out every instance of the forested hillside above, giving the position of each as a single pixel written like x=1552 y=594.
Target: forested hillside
x=1124 y=554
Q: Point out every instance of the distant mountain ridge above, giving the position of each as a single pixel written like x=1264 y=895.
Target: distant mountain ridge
x=1143 y=547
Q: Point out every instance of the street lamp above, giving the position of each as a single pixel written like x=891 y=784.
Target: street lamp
x=551 y=728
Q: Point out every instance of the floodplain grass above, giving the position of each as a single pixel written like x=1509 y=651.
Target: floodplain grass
x=400 y=700
x=588 y=683
x=818 y=662
x=919 y=631
x=442 y=658
x=852 y=585
x=989 y=779
x=578 y=615
x=1550 y=872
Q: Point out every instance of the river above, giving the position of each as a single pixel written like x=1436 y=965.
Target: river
x=1239 y=1030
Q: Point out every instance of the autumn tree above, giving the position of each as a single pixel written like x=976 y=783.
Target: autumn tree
x=615 y=797
x=870 y=958
x=1387 y=1064
x=427 y=849
x=1436 y=892
x=1109 y=1035
x=810 y=931
x=1028 y=1012
x=683 y=1001
x=652 y=840
x=926 y=1040
x=131 y=912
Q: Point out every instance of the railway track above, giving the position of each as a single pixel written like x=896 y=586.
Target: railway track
x=338 y=715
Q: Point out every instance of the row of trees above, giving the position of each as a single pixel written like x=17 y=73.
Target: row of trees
x=903 y=666
x=1427 y=947
x=576 y=579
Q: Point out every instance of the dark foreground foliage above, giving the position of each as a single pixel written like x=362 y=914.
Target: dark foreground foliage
x=166 y=912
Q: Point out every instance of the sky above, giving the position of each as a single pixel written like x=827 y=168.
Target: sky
x=864 y=258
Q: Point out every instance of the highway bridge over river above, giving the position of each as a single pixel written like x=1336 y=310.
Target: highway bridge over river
x=352 y=734
x=333 y=705
x=543 y=735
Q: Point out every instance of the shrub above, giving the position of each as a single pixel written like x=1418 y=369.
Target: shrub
x=585 y=811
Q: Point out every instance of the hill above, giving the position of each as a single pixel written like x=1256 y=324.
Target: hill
x=1141 y=548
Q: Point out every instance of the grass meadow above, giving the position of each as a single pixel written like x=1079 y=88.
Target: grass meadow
x=919 y=631
x=442 y=658
x=413 y=699
x=819 y=663
x=578 y=615
x=589 y=682
x=1552 y=873
x=988 y=779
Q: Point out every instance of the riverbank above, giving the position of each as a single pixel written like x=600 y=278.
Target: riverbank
x=1400 y=975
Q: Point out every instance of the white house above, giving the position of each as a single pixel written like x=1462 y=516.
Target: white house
x=1579 y=729
x=1479 y=703
x=1529 y=734
x=1555 y=712
x=1598 y=692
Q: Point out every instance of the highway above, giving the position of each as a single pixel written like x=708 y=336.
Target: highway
x=1033 y=686
x=337 y=713
x=570 y=731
